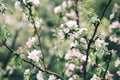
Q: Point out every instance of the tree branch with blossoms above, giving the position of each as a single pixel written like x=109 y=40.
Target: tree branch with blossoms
x=36 y=33
x=46 y=71
x=96 y=25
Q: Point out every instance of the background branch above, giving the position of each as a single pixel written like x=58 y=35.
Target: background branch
x=12 y=47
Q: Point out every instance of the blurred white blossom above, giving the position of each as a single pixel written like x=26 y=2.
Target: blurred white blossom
x=117 y=63
x=118 y=72
x=114 y=25
x=109 y=76
x=30 y=42
x=24 y=17
x=39 y=76
x=64 y=4
x=71 y=24
x=18 y=5
x=27 y=71
x=95 y=77
x=52 y=77
x=57 y=9
x=34 y=55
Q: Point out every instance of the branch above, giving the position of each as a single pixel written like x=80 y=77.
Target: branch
x=77 y=13
x=38 y=36
x=12 y=48
x=108 y=63
x=46 y=71
x=92 y=39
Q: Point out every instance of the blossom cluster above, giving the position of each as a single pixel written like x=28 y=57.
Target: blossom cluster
x=27 y=16
x=18 y=3
x=30 y=42
x=100 y=43
x=40 y=76
x=35 y=55
x=114 y=30
x=65 y=4
x=64 y=11
x=70 y=29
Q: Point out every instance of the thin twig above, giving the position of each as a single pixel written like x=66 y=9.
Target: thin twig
x=12 y=48
x=77 y=13
x=38 y=36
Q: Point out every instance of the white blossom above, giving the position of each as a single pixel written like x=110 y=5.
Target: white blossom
x=34 y=55
x=27 y=74
x=24 y=17
x=30 y=42
x=117 y=63
x=39 y=76
x=118 y=72
x=24 y=1
x=70 y=3
x=68 y=56
x=114 y=25
x=68 y=73
x=95 y=77
x=66 y=30
x=35 y=2
x=71 y=15
x=18 y=5
x=70 y=66
x=75 y=76
x=100 y=43
x=57 y=9
x=64 y=4
x=52 y=77
x=70 y=78
x=81 y=30
x=61 y=34
x=73 y=44
x=27 y=71
x=37 y=24
x=109 y=76
x=112 y=16
x=71 y=24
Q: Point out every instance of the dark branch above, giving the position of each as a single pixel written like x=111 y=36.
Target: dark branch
x=77 y=13
x=46 y=71
x=108 y=63
x=38 y=36
x=11 y=48
x=92 y=40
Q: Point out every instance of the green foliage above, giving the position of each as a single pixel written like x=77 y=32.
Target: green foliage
x=4 y=32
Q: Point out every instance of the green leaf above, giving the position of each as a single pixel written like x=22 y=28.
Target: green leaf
x=8 y=35
x=9 y=10
x=100 y=53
